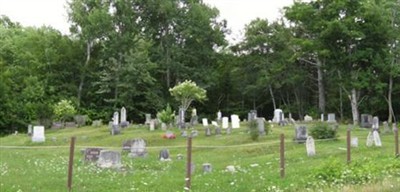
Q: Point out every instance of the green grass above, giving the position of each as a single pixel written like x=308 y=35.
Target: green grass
x=44 y=168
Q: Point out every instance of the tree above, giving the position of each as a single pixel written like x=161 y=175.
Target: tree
x=187 y=92
x=64 y=110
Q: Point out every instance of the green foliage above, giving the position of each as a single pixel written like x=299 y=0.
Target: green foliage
x=323 y=131
x=166 y=115
x=253 y=127
x=186 y=92
x=64 y=110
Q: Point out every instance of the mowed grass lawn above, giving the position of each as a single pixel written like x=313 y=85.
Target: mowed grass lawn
x=42 y=167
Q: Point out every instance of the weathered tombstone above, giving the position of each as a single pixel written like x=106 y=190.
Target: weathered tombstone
x=57 y=125
x=377 y=139
x=278 y=116
x=307 y=118
x=92 y=154
x=219 y=116
x=164 y=155
x=126 y=145
x=115 y=118
x=386 y=128
x=235 y=121
x=218 y=131
x=205 y=122
x=184 y=133
x=97 y=123
x=38 y=134
x=148 y=118
x=310 y=145
x=70 y=124
x=229 y=130
x=322 y=117
x=261 y=125
x=194 y=120
x=181 y=124
x=370 y=139
x=252 y=115
x=354 y=142
x=152 y=125
x=207 y=168
x=301 y=134
x=283 y=122
x=214 y=123
x=80 y=120
x=29 y=130
x=375 y=123
x=225 y=122
x=138 y=148
x=331 y=118
x=366 y=121
x=123 y=114
x=194 y=133
x=179 y=156
x=208 y=131
x=109 y=159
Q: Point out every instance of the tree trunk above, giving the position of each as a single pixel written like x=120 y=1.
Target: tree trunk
x=272 y=96
x=354 y=106
x=83 y=72
x=341 y=102
x=390 y=99
x=321 y=88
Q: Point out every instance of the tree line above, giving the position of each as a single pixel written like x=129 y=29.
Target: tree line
x=322 y=56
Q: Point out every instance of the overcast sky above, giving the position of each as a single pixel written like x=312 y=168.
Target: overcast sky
x=53 y=12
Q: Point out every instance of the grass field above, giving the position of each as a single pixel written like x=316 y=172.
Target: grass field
x=43 y=166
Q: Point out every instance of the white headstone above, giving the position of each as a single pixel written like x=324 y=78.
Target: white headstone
x=194 y=112
x=377 y=139
x=205 y=122
x=375 y=123
x=278 y=116
x=308 y=118
x=123 y=114
x=235 y=121
x=354 y=142
x=152 y=125
x=331 y=118
x=310 y=145
x=219 y=115
x=225 y=122
x=370 y=139
x=115 y=118
x=322 y=117
x=38 y=134
x=214 y=123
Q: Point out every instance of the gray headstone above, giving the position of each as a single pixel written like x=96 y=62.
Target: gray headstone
x=228 y=130
x=92 y=154
x=377 y=139
x=386 y=128
x=208 y=131
x=179 y=156
x=164 y=155
x=70 y=124
x=375 y=123
x=181 y=124
x=310 y=145
x=194 y=133
x=123 y=114
x=148 y=118
x=331 y=118
x=370 y=139
x=115 y=130
x=126 y=145
x=124 y=124
x=301 y=134
x=184 y=133
x=80 y=120
x=30 y=130
x=97 y=123
x=109 y=159
x=219 y=116
x=138 y=148
x=57 y=125
x=366 y=121
x=218 y=131
x=354 y=142
x=115 y=118
x=261 y=125
x=207 y=168
x=194 y=120
x=252 y=115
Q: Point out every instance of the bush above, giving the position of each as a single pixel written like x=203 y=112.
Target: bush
x=64 y=110
x=167 y=115
x=323 y=131
x=254 y=133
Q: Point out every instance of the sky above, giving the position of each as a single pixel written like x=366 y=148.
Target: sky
x=53 y=12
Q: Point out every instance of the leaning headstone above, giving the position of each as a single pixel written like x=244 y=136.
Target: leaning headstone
x=301 y=134
x=366 y=121
x=225 y=122
x=126 y=145
x=354 y=142
x=278 y=116
x=38 y=134
x=331 y=118
x=386 y=128
x=138 y=148
x=377 y=139
x=109 y=159
x=208 y=131
x=92 y=154
x=235 y=121
x=205 y=122
x=375 y=123
x=30 y=130
x=370 y=139
x=310 y=145
x=207 y=168
x=164 y=155
x=261 y=125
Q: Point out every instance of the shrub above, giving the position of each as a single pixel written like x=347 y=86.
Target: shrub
x=64 y=110
x=167 y=115
x=323 y=131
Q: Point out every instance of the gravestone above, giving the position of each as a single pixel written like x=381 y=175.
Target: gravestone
x=375 y=123
x=57 y=125
x=80 y=120
x=109 y=159
x=126 y=145
x=235 y=121
x=115 y=118
x=278 y=116
x=225 y=122
x=214 y=123
x=370 y=139
x=219 y=116
x=38 y=134
x=354 y=141
x=194 y=133
x=179 y=157
x=331 y=118
x=164 y=155
x=181 y=123
x=307 y=118
x=97 y=123
x=138 y=148
x=92 y=154
x=194 y=120
x=301 y=134
x=205 y=122
x=115 y=130
x=30 y=130
x=218 y=131
x=148 y=118
x=208 y=131
x=261 y=125
x=184 y=133
x=229 y=130
x=377 y=139
x=322 y=117
x=310 y=145
x=252 y=115
x=366 y=121
x=152 y=125
x=123 y=114
x=386 y=128
x=283 y=122
x=70 y=124
x=207 y=168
